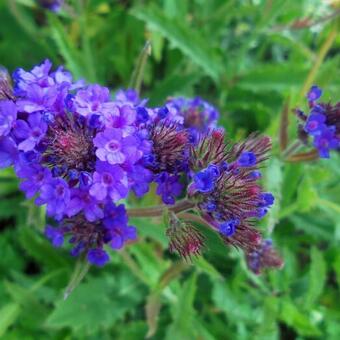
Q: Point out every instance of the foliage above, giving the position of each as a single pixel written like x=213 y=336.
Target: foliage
x=249 y=58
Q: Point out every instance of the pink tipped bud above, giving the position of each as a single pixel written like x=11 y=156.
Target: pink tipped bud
x=218 y=134
x=185 y=240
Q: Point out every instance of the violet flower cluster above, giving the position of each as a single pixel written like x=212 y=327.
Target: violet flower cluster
x=81 y=152
x=322 y=123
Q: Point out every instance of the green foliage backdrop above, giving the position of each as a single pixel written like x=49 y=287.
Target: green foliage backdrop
x=253 y=59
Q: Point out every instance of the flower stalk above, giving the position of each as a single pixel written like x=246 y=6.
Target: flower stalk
x=158 y=210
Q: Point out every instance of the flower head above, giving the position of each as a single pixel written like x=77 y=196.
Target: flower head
x=226 y=191
x=263 y=257
x=322 y=123
x=184 y=238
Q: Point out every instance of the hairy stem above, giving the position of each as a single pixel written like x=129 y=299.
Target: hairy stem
x=158 y=210
x=291 y=149
x=138 y=73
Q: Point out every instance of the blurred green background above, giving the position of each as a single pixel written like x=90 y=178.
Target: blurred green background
x=253 y=60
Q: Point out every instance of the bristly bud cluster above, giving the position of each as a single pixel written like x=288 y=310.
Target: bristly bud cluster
x=264 y=257
x=225 y=186
x=184 y=238
x=322 y=123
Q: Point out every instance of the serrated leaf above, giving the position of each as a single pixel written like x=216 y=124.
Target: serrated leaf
x=291 y=315
x=228 y=302
x=183 y=312
x=95 y=304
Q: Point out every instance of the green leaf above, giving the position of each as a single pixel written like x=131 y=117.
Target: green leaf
x=96 y=304
x=41 y=250
x=231 y=305
x=8 y=316
x=317 y=278
x=293 y=317
x=182 y=37
x=307 y=195
x=183 y=312
x=65 y=46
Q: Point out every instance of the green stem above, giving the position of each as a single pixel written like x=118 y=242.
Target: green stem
x=138 y=73
x=81 y=269
x=318 y=62
x=292 y=149
x=194 y=218
x=159 y=209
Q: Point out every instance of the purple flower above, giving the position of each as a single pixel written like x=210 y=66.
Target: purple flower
x=123 y=118
x=255 y=175
x=117 y=236
x=204 y=180
x=98 y=257
x=168 y=187
x=38 y=75
x=117 y=230
x=139 y=178
x=82 y=201
x=314 y=93
x=35 y=177
x=30 y=133
x=115 y=216
x=55 y=236
x=37 y=99
x=129 y=96
x=8 y=115
x=8 y=152
x=56 y=195
x=114 y=148
x=326 y=141
x=246 y=159
x=315 y=123
x=109 y=181
x=267 y=199
x=228 y=228
x=95 y=99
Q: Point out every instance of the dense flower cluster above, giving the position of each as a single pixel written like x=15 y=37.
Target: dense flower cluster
x=80 y=152
x=322 y=123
